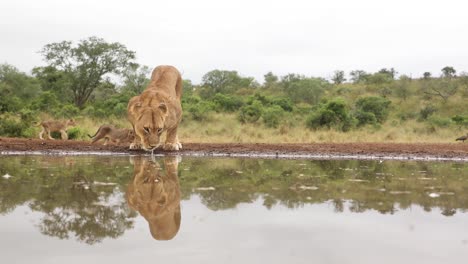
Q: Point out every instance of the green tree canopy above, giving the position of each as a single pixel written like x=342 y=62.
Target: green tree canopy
x=338 y=77
x=226 y=82
x=86 y=63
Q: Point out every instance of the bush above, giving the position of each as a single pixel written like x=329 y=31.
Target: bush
x=250 y=113
x=68 y=111
x=331 y=114
x=46 y=101
x=11 y=126
x=200 y=111
x=378 y=106
x=285 y=103
x=460 y=120
x=440 y=121
x=75 y=133
x=227 y=103
x=10 y=104
x=427 y=111
x=272 y=116
x=365 y=118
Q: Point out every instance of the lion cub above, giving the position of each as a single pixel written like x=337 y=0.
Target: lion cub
x=115 y=135
x=56 y=126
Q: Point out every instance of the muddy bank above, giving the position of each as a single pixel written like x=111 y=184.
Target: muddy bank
x=452 y=151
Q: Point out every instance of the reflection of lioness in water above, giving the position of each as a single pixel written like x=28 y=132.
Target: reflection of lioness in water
x=157 y=110
x=55 y=126
x=156 y=196
x=115 y=135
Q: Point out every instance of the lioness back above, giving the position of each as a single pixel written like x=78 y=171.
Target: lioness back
x=157 y=110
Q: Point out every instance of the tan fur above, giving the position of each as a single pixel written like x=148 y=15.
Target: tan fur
x=56 y=126
x=156 y=195
x=158 y=109
x=113 y=134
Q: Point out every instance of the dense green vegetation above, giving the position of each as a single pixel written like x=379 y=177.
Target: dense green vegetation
x=94 y=79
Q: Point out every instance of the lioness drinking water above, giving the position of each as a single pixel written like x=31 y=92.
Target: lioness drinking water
x=113 y=134
x=157 y=110
x=55 y=126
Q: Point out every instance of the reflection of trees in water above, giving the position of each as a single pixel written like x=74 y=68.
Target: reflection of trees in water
x=66 y=190
x=70 y=193
x=359 y=185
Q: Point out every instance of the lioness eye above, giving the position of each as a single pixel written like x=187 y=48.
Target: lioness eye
x=146 y=130
x=160 y=130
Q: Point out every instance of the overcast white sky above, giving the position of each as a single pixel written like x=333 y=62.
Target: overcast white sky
x=313 y=38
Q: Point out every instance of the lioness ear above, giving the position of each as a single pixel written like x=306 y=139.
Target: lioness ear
x=163 y=107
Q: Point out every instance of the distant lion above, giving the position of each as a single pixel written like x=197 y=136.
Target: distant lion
x=55 y=126
x=157 y=110
x=113 y=134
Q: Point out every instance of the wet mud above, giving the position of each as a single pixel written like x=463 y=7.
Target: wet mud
x=437 y=151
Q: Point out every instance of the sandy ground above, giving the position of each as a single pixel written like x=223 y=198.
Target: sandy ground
x=456 y=151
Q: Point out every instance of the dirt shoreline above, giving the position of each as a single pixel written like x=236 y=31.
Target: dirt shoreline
x=439 y=151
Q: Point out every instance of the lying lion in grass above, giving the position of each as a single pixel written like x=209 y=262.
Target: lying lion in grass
x=55 y=126
x=113 y=134
x=157 y=110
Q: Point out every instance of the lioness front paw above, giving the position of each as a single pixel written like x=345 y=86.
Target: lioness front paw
x=135 y=146
x=172 y=146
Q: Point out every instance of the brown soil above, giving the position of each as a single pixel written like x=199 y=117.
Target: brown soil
x=354 y=150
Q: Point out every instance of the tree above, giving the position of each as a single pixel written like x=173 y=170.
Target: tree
x=358 y=76
x=308 y=90
x=271 y=80
x=14 y=83
x=225 y=82
x=448 y=72
x=443 y=88
x=402 y=88
x=135 y=78
x=86 y=63
x=378 y=106
x=338 y=77
x=289 y=79
x=390 y=72
x=427 y=75
x=54 y=80
x=187 y=87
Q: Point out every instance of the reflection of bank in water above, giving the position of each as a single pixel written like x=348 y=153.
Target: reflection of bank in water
x=155 y=194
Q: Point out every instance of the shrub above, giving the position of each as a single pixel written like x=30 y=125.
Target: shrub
x=200 y=111
x=365 y=118
x=75 y=133
x=440 y=121
x=250 y=113
x=285 y=103
x=331 y=114
x=460 y=120
x=11 y=126
x=427 y=111
x=227 y=103
x=272 y=116
x=9 y=104
x=379 y=106
x=46 y=101
x=68 y=111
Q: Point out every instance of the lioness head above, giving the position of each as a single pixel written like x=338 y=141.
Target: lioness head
x=71 y=122
x=149 y=125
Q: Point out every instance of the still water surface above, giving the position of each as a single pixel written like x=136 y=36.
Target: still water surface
x=88 y=209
